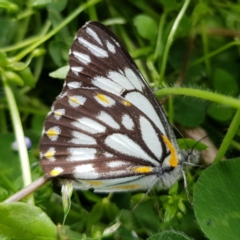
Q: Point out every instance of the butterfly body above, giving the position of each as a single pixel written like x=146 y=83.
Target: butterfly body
x=106 y=130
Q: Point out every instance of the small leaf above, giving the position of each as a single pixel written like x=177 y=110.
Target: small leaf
x=3 y=59
x=27 y=77
x=14 y=78
x=187 y=143
x=220 y=112
x=146 y=26
x=60 y=73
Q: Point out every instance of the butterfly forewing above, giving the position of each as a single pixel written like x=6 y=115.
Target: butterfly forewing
x=106 y=129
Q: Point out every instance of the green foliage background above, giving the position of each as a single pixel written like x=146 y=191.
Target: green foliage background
x=187 y=51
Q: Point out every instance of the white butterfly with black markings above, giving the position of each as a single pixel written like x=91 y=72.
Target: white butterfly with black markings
x=106 y=130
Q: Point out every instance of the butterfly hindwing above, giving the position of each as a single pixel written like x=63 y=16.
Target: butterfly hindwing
x=106 y=129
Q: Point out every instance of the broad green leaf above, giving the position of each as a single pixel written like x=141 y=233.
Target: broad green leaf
x=21 y=221
x=189 y=112
x=216 y=200
x=225 y=82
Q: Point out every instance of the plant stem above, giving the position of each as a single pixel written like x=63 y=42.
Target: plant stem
x=228 y=137
x=74 y=14
x=203 y=94
x=18 y=130
x=170 y=40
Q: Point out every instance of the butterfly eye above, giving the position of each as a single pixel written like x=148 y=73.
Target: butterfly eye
x=106 y=130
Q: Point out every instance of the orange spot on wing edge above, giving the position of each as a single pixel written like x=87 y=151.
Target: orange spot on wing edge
x=173 y=157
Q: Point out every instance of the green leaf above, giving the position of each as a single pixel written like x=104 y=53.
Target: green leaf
x=22 y=221
x=189 y=112
x=9 y=6
x=146 y=26
x=14 y=78
x=170 y=5
x=169 y=235
x=27 y=76
x=225 y=82
x=60 y=73
x=3 y=59
x=220 y=112
x=216 y=200
x=187 y=143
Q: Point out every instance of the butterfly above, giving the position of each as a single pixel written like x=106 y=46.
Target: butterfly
x=106 y=130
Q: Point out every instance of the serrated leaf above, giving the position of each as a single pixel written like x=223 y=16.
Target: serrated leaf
x=60 y=73
x=169 y=235
x=22 y=221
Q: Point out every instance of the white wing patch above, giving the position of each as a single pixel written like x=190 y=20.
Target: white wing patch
x=93 y=34
x=85 y=171
x=84 y=58
x=81 y=154
x=89 y=125
x=110 y=47
x=127 y=122
x=133 y=78
x=125 y=145
x=76 y=70
x=72 y=85
x=95 y=50
x=82 y=139
x=107 y=85
x=142 y=103
x=120 y=79
x=107 y=119
x=150 y=137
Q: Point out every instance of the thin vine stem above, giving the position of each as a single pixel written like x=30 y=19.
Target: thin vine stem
x=203 y=94
x=170 y=40
x=18 y=130
x=228 y=137
x=67 y=20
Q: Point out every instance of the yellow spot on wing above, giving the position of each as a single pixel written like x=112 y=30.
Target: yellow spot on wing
x=51 y=132
x=143 y=169
x=94 y=183
x=49 y=154
x=127 y=187
x=126 y=103
x=73 y=99
x=173 y=157
x=56 y=171
x=57 y=113
x=103 y=98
